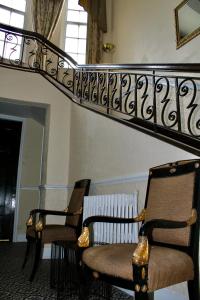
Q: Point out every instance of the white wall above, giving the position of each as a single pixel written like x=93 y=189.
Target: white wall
x=144 y=32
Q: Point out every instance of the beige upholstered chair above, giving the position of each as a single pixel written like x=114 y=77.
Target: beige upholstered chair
x=38 y=232
x=168 y=248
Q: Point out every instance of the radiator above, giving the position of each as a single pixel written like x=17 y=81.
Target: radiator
x=118 y=205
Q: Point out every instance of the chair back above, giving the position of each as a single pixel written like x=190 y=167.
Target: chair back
x=81 y=189
x=172 y=193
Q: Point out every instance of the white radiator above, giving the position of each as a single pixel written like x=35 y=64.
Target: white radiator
x=117 y=205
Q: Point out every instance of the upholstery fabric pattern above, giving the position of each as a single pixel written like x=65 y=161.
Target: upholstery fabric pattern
x=176 y=266
x=171 y=198
x=51 y=231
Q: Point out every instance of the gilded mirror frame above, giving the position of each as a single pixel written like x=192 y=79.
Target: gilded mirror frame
x=180 y=41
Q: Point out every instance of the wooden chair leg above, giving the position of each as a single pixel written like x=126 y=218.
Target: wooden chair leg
x=85 y=283
x=144 y=296
x=193 y=289
x=28 y=246
x=38 y=250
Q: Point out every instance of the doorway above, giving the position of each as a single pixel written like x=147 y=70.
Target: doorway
x=10 y=137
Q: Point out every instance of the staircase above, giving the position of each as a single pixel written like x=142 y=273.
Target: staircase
x=160 y=100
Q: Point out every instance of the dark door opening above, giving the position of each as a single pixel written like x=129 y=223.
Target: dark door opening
x=10 y=137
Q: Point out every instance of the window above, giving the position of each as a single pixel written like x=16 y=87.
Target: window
x=76 y=31
x=11 y=13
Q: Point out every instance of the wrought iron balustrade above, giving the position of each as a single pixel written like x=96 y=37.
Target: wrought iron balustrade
x=161 y=100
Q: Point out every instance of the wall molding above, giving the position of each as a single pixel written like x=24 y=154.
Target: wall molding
x=56 y=187
x=137 y=177
x=29 y=188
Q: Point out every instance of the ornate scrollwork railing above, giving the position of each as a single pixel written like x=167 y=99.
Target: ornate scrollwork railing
x=162 y=100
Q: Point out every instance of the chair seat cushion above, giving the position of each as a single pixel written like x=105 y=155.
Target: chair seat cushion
x=166 y=266
x=55 y=232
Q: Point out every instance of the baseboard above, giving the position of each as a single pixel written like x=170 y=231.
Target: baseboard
x=21 y=237
x=47 y=251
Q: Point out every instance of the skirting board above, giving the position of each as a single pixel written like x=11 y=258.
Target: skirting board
x=21 y=237
x=47 y=251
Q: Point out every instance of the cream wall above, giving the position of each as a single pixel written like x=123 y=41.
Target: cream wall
x=39 y=91
x=114 y=156
x=107 y=151
x=117 y=159
x=33 y=89
x=144 y=32
x=30 y=169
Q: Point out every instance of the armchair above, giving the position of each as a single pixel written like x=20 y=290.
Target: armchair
x=168 y=249
x=39 y=233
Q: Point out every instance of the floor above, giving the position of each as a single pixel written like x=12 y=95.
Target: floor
x=14 y=282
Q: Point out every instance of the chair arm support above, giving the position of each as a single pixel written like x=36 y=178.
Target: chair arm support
x=109 y=219
x=42 y=212
x=83 y=240
x=147 y=228
x=141 y=254
x=55 y=212
x=40 y=224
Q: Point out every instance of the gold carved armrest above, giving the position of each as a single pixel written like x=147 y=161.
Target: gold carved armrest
x=37 y=226
x=84 y=241
x=141 y=254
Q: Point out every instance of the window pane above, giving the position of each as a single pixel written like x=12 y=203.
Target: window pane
x=17 y=20
x=19 y=4
x=73 y=4
x=74 y=56
x=71 y=45
x=81 y=59
x=6 y=2
x=76 y=33
x=16 y=4
x=4 y=16
x=1 y=48
x=2 y=36
x=72 y=30
x=82 y=31
x=13 y=39
x=81 y=46
x=72 y=16
x=83 y=17
x=11 y=53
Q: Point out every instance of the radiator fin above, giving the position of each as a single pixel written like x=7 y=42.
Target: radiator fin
x=117 y=205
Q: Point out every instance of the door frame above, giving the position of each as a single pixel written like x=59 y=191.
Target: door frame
x=19 y=171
